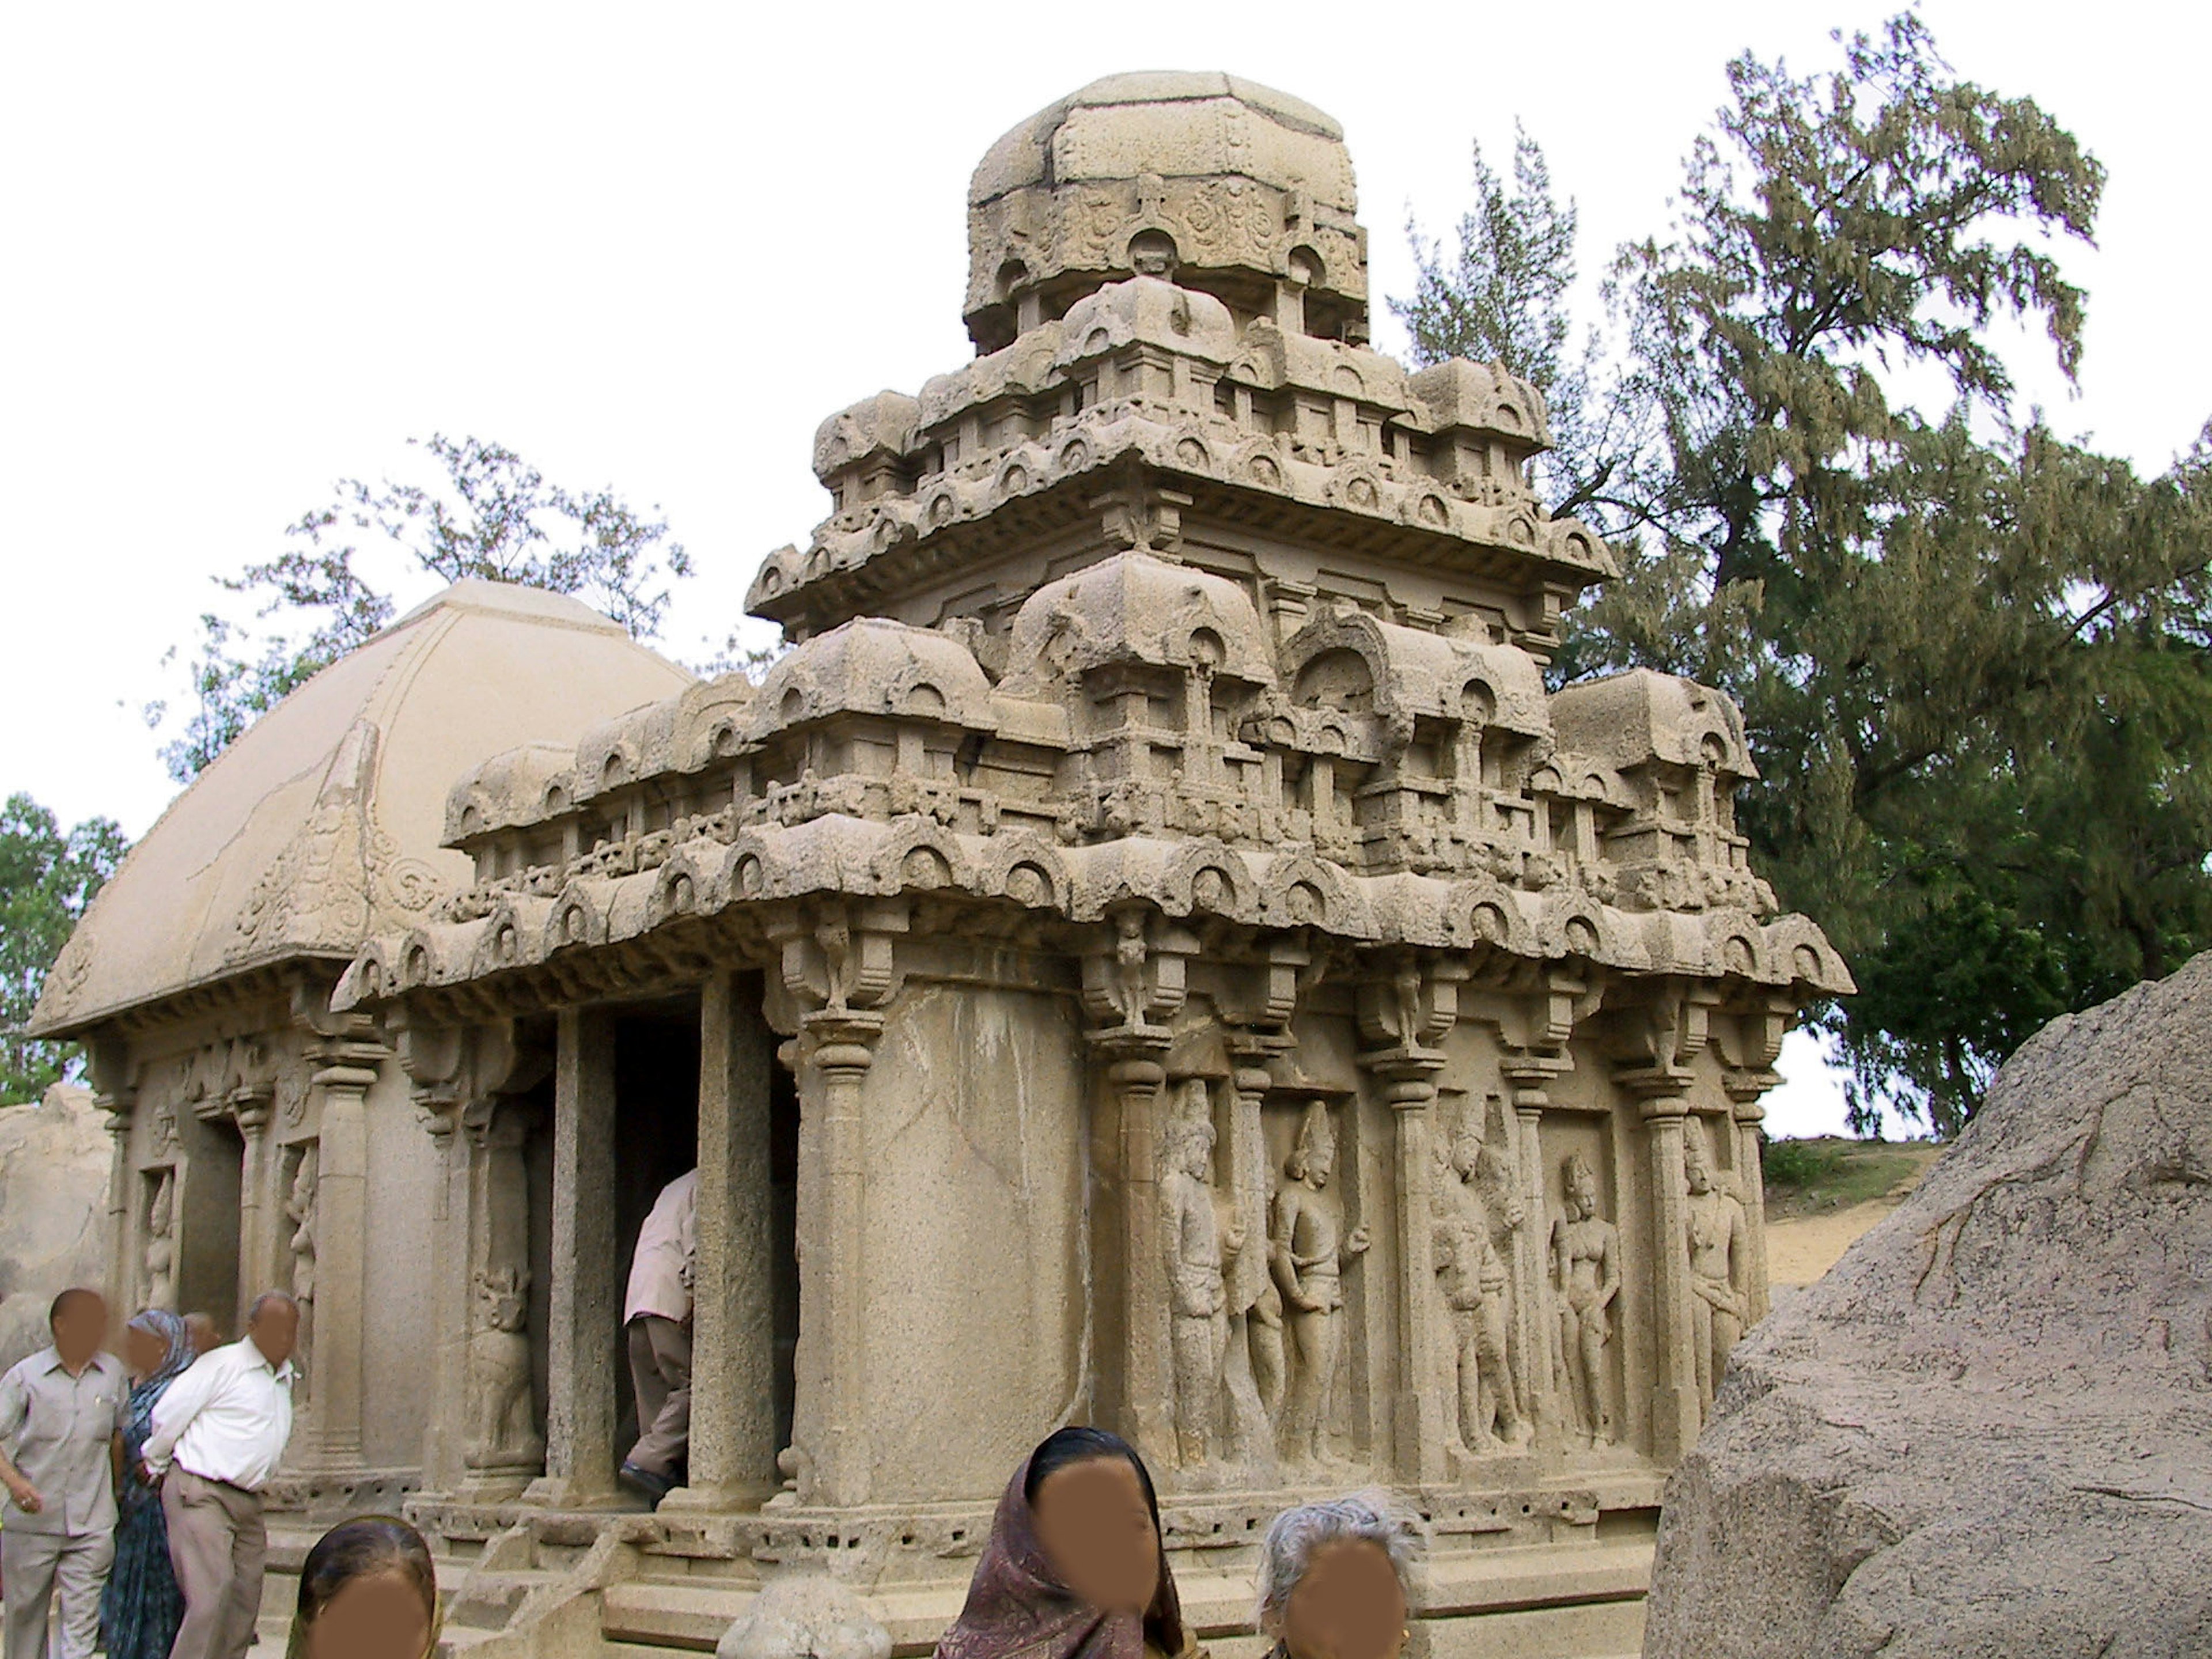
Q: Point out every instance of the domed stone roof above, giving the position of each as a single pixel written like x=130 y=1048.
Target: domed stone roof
x=1224 y=185
x=321 y=824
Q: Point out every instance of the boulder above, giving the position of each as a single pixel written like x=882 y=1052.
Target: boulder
x=53 y=1208
x=805 y=1615
x=1988 y=1430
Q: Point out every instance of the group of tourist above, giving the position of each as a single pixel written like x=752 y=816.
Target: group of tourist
x=1076 y=1568
x=134 y=1489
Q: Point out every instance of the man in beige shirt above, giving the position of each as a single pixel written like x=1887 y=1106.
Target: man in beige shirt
x=62 y=1416
x=657 y=1314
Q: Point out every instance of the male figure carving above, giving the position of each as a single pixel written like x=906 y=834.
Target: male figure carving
x=1198 y=1242
x=1474 y=1281
x=1309 y=1248
x=1718 y=1301
x=1586 y=1264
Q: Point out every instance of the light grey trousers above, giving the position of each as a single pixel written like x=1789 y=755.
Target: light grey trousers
x=660 y=1372
x=217 y=1542
x=35 y=1566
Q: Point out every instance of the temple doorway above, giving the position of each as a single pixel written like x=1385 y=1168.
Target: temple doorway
x=206 y=1197
x=656 y=1140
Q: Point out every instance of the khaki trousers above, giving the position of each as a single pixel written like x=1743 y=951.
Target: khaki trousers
x=660 y=1371
x=216 y=1543
x=34 y=1566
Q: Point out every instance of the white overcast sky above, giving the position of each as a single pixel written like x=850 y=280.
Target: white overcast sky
x=249 y=250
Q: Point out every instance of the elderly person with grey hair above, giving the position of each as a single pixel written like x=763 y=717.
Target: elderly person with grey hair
x=1332 y=1581
x=219 y=1433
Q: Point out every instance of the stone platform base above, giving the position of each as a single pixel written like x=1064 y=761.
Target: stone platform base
x=1555 y=1572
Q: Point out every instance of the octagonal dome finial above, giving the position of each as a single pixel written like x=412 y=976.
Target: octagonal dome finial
x=1219 y=184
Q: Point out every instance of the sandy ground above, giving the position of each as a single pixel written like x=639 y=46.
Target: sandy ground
x=1799 y=1251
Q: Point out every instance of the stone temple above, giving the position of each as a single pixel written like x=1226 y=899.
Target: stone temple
x=1151 y=952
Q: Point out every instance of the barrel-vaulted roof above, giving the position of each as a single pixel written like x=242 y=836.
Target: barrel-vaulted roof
x=321 y=826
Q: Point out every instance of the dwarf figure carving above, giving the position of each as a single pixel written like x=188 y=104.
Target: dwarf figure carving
x=1718 y=1296
x=1586 y=1266
x=1310 y=1248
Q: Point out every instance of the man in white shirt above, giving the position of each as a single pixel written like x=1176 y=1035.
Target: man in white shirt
x=657 y=1314
x=219 y=1434
x=62 y=1416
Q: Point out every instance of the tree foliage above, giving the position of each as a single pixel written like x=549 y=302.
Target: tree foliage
x=1972 y=655
x=47 y=877
x=492 y=515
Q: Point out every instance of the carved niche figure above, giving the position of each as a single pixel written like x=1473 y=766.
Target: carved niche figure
x=1586 y=1266
x=1309 y=1249
x=161 y=1243
x=300 y=1208
x=1476 y=1286
x=1718 y=1296
x=503 y=1417
x=1197 y=1241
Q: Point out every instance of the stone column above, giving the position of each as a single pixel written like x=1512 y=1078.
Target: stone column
x=341 y=1305
x=1539 y=1322
x=837 y=1049
x=1402 y=1021
x=261 y=1234
x=1744 y=1090
x=732 y=1451
x=1676 y=1415
x=1136 y=1076
x=587 y=1288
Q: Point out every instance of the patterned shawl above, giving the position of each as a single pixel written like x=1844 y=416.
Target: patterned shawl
x=1018 y=1608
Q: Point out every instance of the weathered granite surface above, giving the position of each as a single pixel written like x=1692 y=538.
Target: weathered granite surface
x=1985 y=1431
x=53 y=1187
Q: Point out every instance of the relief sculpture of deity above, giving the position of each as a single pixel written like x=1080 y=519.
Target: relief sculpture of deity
x=1310 y=1248
x=1718 y=1264
x=1199 y=1241
x=1476 y=1286
x=1586 y=1266
x=300 y=1210
x=160 y=1243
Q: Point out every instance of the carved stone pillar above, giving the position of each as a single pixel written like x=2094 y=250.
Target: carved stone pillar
x=107 y=1064
x=1664 y=1037
x=333 y=1441
x=587 y=1289
x=485 y=1442
x=732 y=1451
x=1132 y=986
x=1402 y=1022
x=838 y=964
x=1749 y=1043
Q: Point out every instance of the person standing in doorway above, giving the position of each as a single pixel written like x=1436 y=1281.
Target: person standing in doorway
x=62 y=1415
x=219 y=1434
x=657 y=1315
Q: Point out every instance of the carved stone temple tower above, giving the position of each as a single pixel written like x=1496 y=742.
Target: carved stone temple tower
x=1150 y=953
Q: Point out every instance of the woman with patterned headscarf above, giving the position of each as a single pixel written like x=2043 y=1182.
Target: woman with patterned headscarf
x=141 y=1606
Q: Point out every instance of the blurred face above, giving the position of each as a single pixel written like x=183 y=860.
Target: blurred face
x=143 y=1351
x=1097 y=1533
x=276 y=1332
x=1348 y=1605
x=80 y=1330
x=201 y=1329
x=378 y=1617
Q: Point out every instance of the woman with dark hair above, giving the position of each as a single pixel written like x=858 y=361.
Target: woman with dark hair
x=1075 y=1567
x=368 y=1590
x=141 y=1606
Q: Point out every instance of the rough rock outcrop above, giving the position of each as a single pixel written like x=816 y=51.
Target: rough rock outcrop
x=53 y=1200
x=1988 y=1430
x=806 y=1615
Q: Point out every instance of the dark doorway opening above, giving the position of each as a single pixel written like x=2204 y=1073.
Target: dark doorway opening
x=210 y=1276
x=656 y=1141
